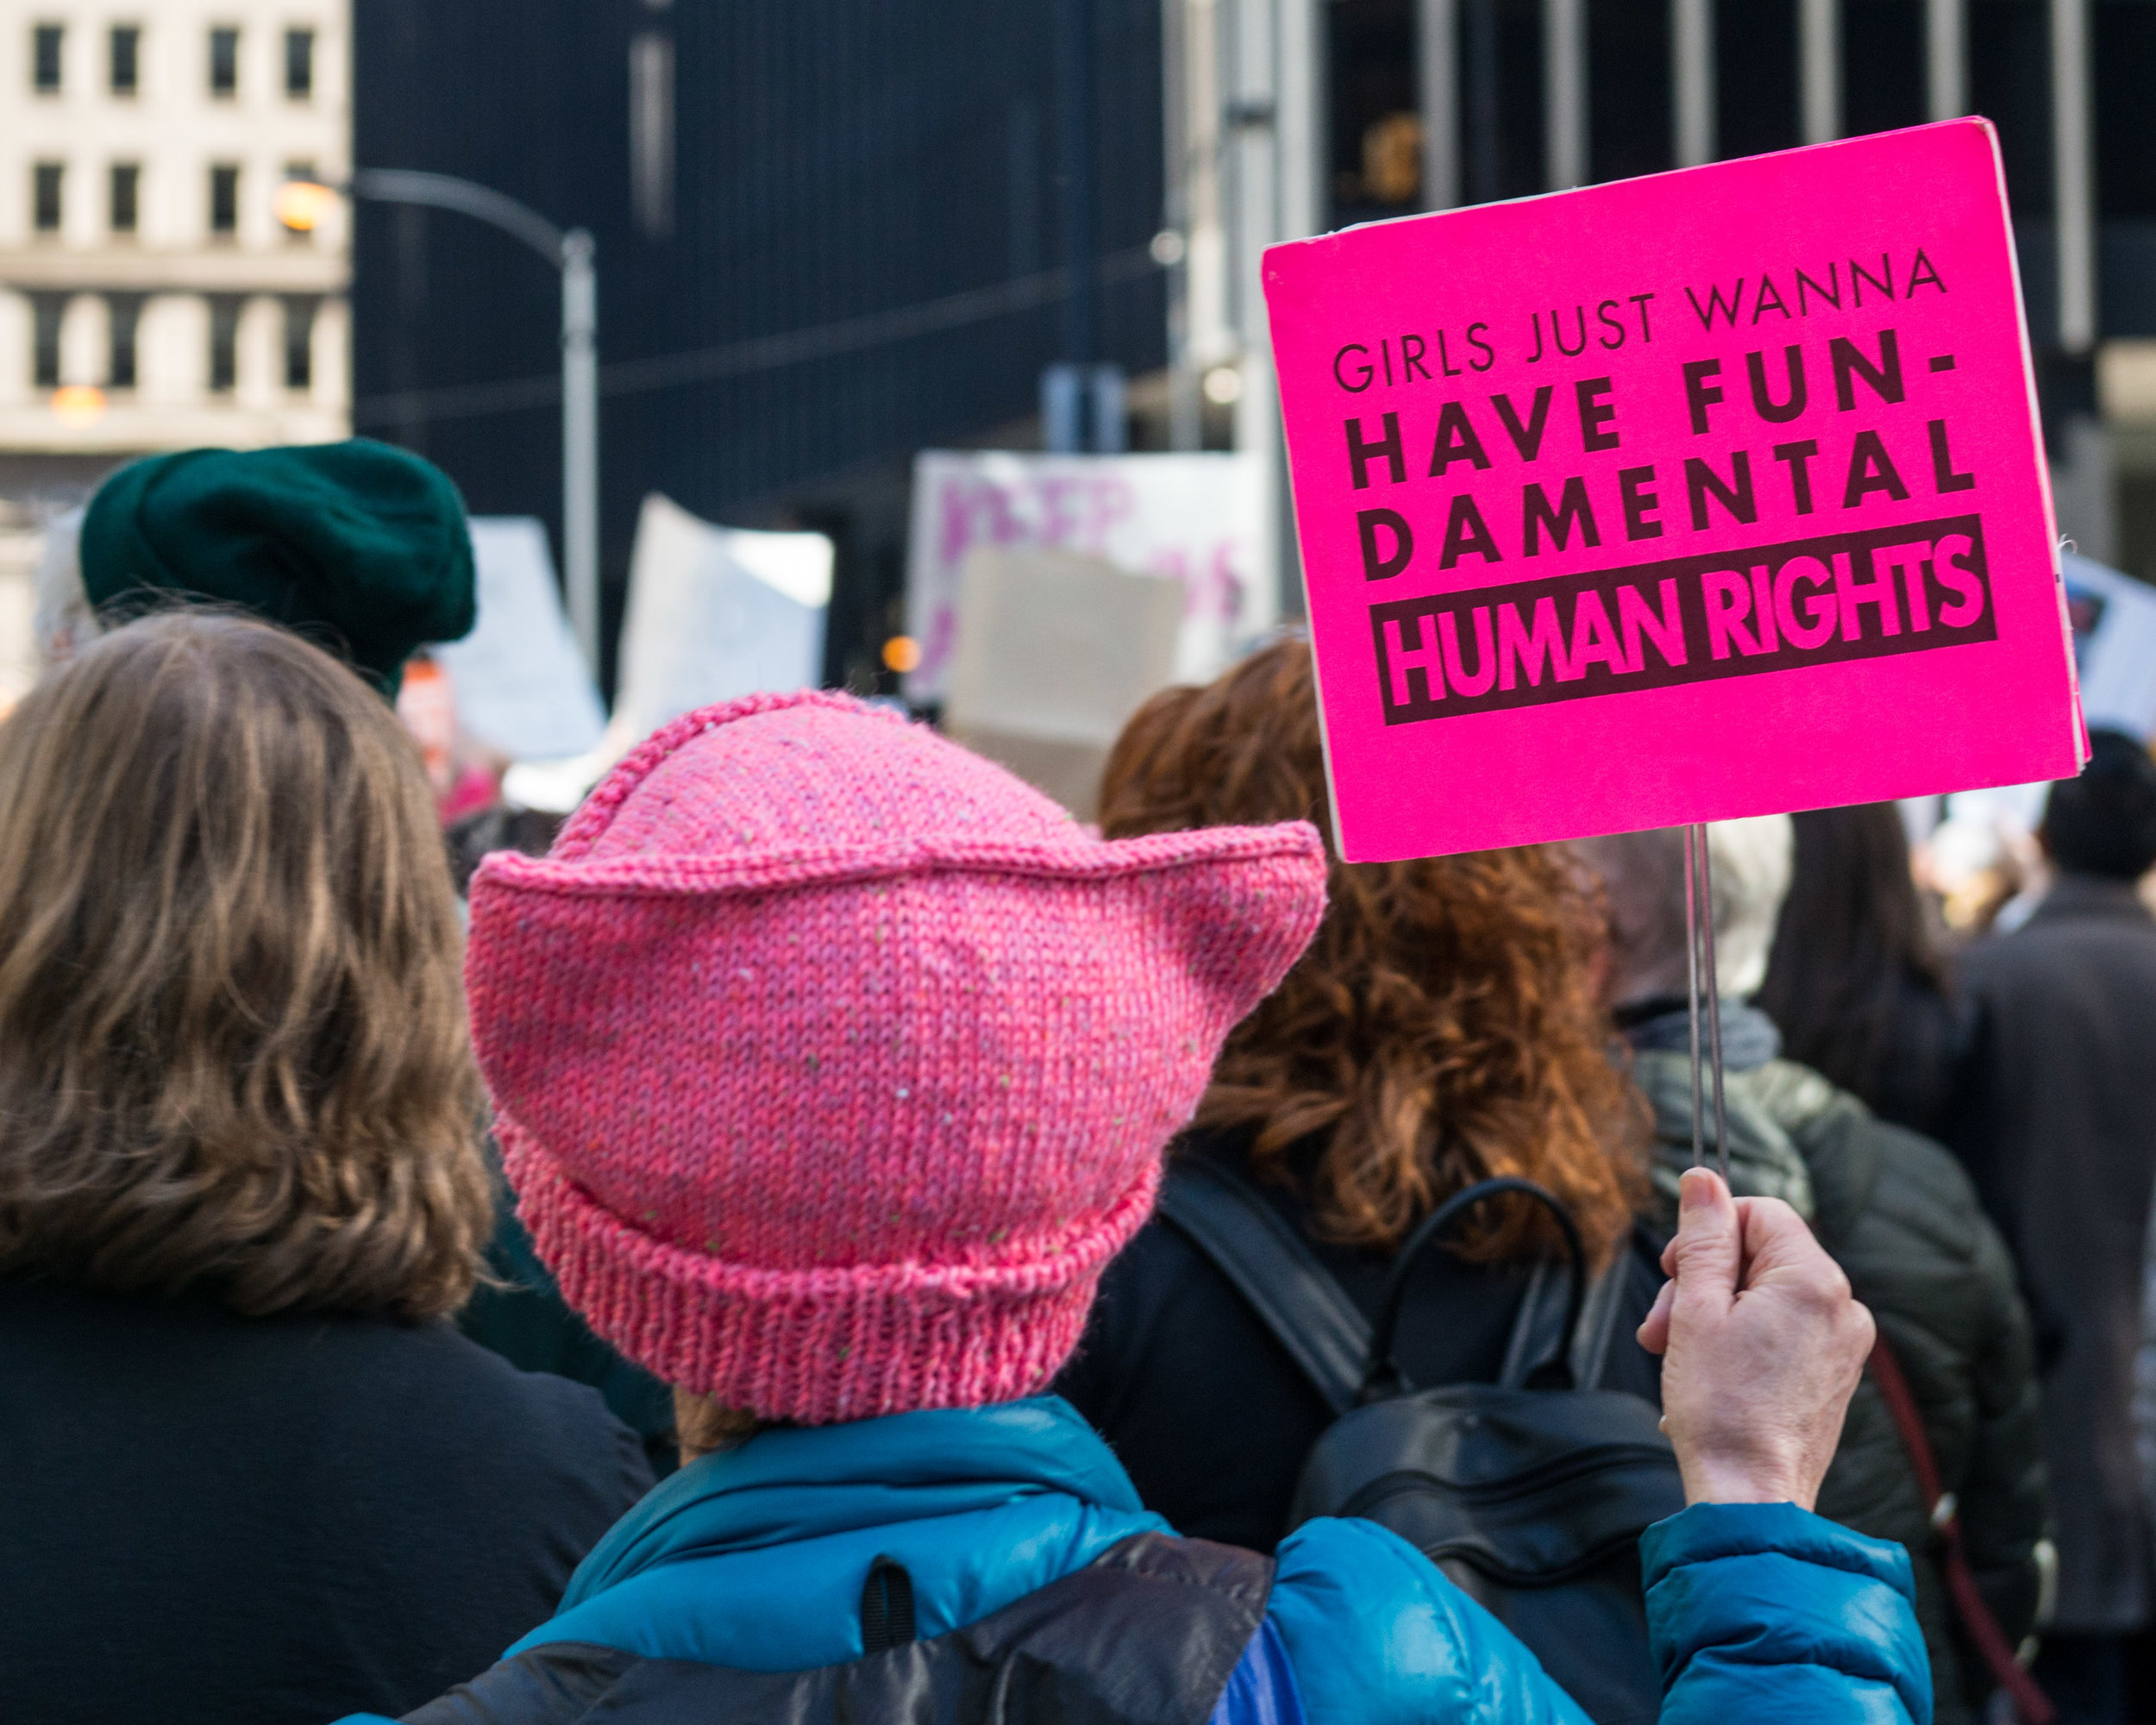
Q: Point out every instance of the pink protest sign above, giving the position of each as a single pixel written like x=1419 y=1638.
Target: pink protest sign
x=1716 y=493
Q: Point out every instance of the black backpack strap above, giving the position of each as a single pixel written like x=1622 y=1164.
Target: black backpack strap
x=1273 y=1268
x=886 y=1606
x=1555 y=1372
x=1538 y=1326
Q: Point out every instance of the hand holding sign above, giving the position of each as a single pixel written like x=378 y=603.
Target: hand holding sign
x=1710 y=494
x=1763 y=1345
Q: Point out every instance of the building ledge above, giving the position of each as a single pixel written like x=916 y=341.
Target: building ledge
x=135 y=269
x=128 y=426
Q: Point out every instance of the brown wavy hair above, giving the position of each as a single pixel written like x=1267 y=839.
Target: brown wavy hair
x=1443 y=1027
x=233 y=1049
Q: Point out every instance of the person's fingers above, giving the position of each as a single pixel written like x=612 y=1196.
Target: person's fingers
x=1710 y=1249
x=1778 y=1247
x=1654 y=1328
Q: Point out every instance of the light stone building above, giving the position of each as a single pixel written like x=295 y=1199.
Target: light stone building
x=149 y=297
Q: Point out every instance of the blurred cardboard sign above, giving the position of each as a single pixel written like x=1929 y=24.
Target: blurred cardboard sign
x=1715 y=493
x=2113 y=620
x=717 y=612
x=1198 y=518
x=521 y=685
x=1055 y=651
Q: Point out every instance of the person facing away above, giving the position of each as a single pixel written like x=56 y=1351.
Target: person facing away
x=252 y=1472
x=1856 y=981
x=364 y=549
x=2062 y=1141
x=1896 y=1210
x=1441 y=1029
x=832 y=1064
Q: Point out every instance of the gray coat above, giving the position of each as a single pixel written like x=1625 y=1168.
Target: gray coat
x=1900 y=1217
x=2062 y=1138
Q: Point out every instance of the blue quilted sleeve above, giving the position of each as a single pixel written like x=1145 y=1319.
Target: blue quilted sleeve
x=1761 y=1610
x=1378 y=1636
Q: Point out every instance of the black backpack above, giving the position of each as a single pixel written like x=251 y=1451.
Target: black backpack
x=1530 y=1493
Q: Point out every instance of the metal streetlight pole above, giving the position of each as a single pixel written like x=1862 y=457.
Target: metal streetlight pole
x=572 y=253
x=579 y=439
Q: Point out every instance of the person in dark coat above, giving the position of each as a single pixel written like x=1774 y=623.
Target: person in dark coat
x=517 y=1310
x=2062 y=1139
x=1857 y=982
x=1894 y=1209
x=1442 y=1029
x=253 y=1473
x=363 y=548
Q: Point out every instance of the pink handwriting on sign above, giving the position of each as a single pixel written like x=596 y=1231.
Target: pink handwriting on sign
x=1715 y=493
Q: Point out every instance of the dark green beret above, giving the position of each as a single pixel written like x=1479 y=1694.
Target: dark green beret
x=361 y=546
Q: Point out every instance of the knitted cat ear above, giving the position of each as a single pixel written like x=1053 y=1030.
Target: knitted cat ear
x=1237 y=906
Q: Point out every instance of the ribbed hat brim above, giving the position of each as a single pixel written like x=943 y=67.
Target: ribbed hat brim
x=818 y=1346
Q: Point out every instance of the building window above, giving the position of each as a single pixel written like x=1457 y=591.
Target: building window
x=299 y=341
x=46 y=310
x=224 y=200
x=45 y=184
x=125 y=316
x=45 y=41
x=127 y=59
x=224 y=61
x=299 y=64
x=225 y=340
x=127 y=186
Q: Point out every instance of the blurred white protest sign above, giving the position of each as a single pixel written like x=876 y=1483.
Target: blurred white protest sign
x=2113 y=620
x=717 y=612
x=1056 y=652
x=521 y=686
x=714 y=613
x=1198 y=518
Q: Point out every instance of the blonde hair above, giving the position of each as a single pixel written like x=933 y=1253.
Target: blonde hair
x=233 y=1048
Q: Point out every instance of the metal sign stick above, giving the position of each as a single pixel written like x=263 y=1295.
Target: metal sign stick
x=1699 y=927
x=1691 y=969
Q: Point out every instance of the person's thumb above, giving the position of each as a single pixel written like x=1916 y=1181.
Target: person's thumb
x=1710 y=1249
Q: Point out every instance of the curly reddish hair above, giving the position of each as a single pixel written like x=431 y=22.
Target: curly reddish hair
x=1443 y=1027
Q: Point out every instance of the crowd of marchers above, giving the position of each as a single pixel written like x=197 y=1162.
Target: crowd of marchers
x=825 y=1235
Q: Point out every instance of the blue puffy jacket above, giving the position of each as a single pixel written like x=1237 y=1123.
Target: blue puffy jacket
x=755 y=1561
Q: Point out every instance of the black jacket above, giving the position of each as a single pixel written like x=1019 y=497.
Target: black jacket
x=2062 y=1139
x=1206 y=1411
x=275 y=1521
x=1901 y=1219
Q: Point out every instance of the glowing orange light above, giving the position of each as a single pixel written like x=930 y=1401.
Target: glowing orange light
x=901 y=652
x=78 y=405
x=301 y=204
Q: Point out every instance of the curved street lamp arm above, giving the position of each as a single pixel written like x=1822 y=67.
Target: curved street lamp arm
x=572 y=254
x=447 y=191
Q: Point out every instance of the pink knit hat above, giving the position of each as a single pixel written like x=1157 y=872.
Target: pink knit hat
x=833 y=1062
